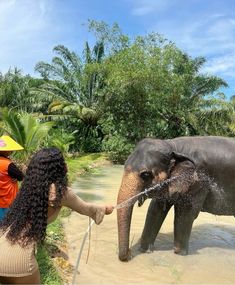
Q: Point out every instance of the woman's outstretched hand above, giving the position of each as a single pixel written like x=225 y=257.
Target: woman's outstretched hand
x=109 y=209
x=101 y=211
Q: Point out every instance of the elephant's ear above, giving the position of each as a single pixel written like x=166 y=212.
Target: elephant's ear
x=179 y=157
x=184 y=168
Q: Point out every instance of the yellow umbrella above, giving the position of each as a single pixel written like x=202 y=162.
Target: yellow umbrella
x=8 y=144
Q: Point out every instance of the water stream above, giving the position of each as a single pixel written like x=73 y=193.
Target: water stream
x=211 y=258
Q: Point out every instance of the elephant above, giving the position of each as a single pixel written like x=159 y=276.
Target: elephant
x=207 y=165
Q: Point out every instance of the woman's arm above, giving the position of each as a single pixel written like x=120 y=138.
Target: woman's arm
x=96 y=212
x=15 y=172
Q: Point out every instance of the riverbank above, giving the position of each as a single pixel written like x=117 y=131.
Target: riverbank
x=53 y=256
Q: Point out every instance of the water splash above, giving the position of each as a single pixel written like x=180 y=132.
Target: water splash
x=148 y=192
x=178 y=182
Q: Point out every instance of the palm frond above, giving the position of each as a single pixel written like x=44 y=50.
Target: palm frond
x=70 y=57
x=37 y=134
x=14 y=126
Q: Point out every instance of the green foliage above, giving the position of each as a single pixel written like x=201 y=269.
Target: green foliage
x=215 y=117
x=118 y=148
x=130 y=89
x=48 y=272
x=89 y=138
x=71 y=80
x=112 y=37
x=61 y=139
x=155 y=89
x=121 y=89
x=13 y=125
x=55 y=231
x=15 y=92
x=25 y=129
x=75 y=90
x=83 y=162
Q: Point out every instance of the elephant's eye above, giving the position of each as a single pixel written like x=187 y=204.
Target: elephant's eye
x=146 y=175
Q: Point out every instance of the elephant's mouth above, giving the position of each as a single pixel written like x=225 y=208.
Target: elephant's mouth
x=161 y=194
x=141 y=200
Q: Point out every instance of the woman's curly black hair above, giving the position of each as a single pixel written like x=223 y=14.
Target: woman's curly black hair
x=26 y=220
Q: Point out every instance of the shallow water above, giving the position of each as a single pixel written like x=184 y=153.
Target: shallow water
x=211 y=258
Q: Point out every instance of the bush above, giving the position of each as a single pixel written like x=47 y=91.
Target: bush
x=118 y=148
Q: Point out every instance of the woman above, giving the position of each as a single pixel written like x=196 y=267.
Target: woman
x=42 y=194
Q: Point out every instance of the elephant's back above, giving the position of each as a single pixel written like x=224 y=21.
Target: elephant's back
x=207 y=151
x=216 y=157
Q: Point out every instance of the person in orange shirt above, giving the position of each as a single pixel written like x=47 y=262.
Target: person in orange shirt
x=10 y=174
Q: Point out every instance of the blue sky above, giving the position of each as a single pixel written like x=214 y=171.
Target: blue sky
x=29 y=29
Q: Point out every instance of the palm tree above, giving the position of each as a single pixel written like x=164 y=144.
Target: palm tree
x=74 y=86
x=71 y=79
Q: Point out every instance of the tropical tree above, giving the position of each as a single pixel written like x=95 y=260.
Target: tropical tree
x=14 y=92
x=154 y=89
x=73 y=81
x=61 y=139
x=75 y=86
x=123 y=90
x=232 y=121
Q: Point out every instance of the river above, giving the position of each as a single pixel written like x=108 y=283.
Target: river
x=211 y=258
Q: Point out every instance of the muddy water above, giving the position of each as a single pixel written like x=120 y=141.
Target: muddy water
x=211 y=259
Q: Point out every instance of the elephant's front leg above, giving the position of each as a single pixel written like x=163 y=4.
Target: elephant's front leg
x=157 y=212
x=185 y=214
x=183 y=222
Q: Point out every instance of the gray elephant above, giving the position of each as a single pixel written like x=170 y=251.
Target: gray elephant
x=207 y=165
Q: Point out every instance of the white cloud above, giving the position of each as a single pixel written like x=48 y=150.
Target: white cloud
x=23 y=25
x=222 y=64
x=212 y=37
x=22 y=16
x=205 y=36
x=145 y=7
x=197 y=28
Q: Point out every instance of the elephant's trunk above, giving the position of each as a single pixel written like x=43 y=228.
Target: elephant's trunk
x=124 y=223
x=129 y=188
